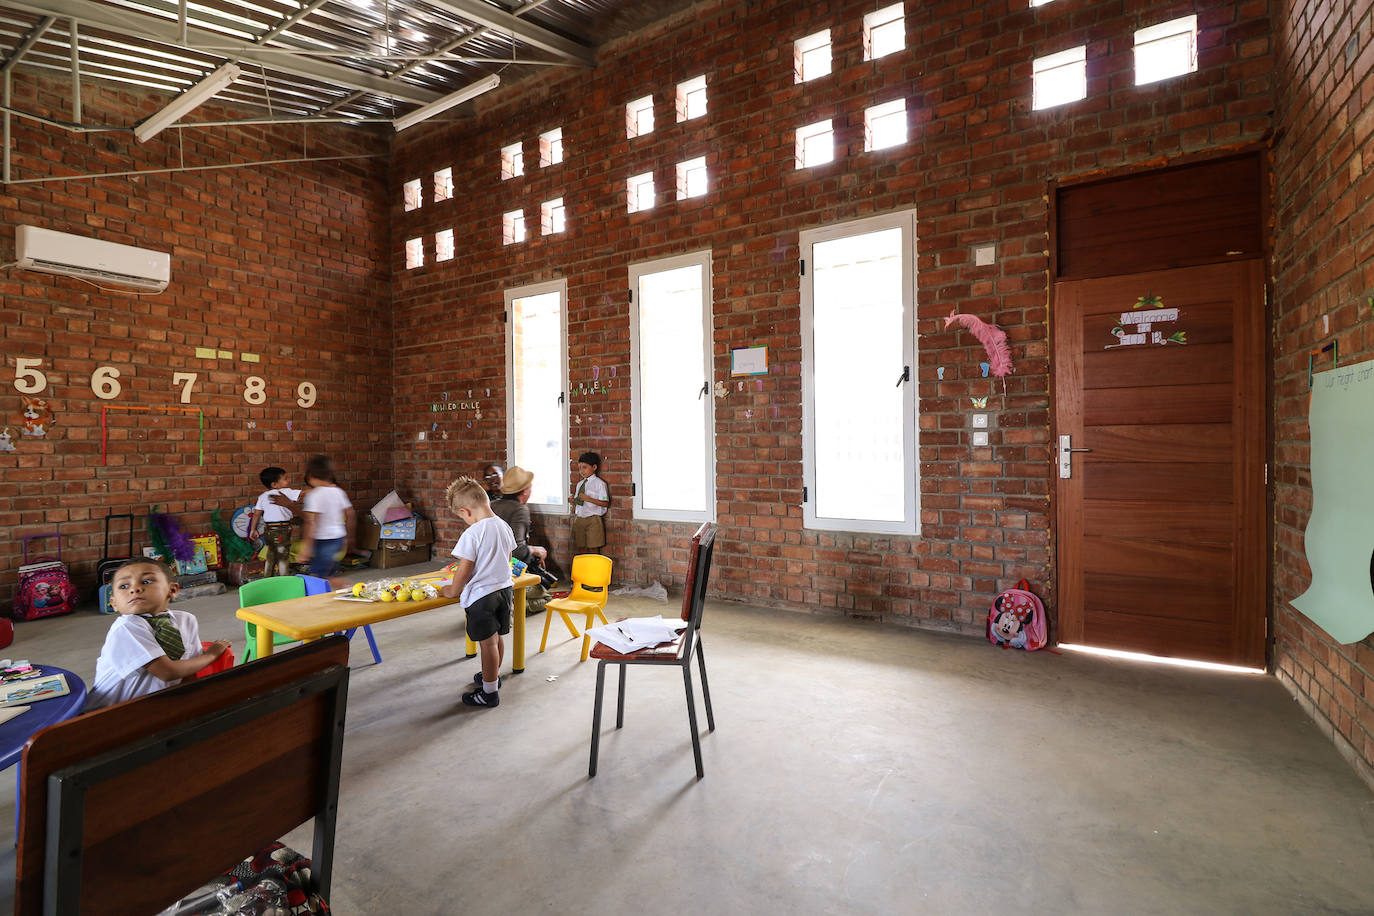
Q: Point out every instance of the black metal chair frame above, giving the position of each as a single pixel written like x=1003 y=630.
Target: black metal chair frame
x=693 y=601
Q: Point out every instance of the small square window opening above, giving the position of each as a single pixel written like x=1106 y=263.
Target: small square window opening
x=815 y=144
x=691 y=178
x=513 y=227
x=415 y=253
x=691 y=99
x=1165 y=50
x=884 y=32
x=551 y=219
x=640 y=192
x=512 y=161
x=639 y=117
x=885 y=125
x=811 y=56
x=412 y=195
x=443 y=245
x=1058 y=79
x=551 y=147
x=1039 y=2
x=443 y=185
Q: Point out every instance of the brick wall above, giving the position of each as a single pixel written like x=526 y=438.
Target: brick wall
x=1323 y=266
x=976 y=170
x=288 y=262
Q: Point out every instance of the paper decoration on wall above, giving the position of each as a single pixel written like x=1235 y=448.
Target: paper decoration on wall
x=1142 y=326
x=940 y=373
x=6 y=440
x=749 y=360
x=1339 y=541
x=980 y=402
x=1148 y=301
x=722 y=389
x=984 y=367
x=993 y=339
x=36 y=418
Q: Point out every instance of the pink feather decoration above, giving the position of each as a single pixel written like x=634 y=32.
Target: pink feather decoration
x=993 y=339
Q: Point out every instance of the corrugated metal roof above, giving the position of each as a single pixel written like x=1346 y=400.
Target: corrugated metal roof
x=319 y=58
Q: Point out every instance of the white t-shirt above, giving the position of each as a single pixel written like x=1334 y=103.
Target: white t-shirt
x=271 y=512
x=594 y=487
x=330 y=503
x=130 y=645
x=487 y=544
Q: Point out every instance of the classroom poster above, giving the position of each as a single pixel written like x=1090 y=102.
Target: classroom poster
x=1340 y=532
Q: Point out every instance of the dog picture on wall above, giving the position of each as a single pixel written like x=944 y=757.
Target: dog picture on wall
x=36 y=417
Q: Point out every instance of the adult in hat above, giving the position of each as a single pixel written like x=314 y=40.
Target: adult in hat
x=516 y=485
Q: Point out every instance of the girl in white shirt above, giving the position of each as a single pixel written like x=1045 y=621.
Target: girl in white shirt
x=329 y=519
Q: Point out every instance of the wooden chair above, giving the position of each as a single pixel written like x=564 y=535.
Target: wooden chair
x=129 y=808
x=678 y=652
x=591 y=575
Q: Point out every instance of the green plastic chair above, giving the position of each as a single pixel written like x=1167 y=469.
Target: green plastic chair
x=268 y=591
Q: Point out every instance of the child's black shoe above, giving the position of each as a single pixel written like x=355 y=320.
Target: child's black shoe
x=477 y=680
x=480 y=697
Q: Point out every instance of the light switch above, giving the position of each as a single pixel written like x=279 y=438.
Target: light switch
x=980 y=438
x=980 y=421
x=984 y=255
x=423 y=435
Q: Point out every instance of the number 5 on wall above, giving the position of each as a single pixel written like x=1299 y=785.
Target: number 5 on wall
x=27 y=378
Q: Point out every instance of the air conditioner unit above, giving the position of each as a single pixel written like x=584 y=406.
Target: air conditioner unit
x=90 y=259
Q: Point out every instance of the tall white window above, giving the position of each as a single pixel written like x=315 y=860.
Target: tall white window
x=551 y=220
x=411 y=193
x=639 y=191
x=884 y=32
x=443 y=245
x=691 y=178
x=1165 y=50
x=639 y=117
x=536 y=357
x=885 y=125
x=551 y=147
x=512 y=227
x=811 y=56
x=1060 y=78
x=512 y=161
x=443 y=185
x=815 y=144
x=672 y=420
x=858 y=339
x=415 y=253
x=691 y=98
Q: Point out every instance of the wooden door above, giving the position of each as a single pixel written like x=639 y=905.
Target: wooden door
x=1161 y=526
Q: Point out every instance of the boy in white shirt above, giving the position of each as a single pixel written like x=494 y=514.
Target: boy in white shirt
x=589 y=505
x=149 y=646
x=273 y=521
x=482 y=580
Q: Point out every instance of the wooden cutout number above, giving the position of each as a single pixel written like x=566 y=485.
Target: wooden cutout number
x=27 y=378
x=187 y=381
x=105 y=383
x=305 y=394
x=254 y=389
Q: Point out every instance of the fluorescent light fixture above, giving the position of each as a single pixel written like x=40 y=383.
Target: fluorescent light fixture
x=439 y=106
x=189 y=100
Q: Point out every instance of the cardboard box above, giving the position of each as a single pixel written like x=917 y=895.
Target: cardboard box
x=389 y=557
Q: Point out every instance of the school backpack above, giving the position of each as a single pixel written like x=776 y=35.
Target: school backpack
x=45 y=588
x=1017 y=619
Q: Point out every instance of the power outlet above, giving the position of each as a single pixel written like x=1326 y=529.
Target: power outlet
x=980 y=421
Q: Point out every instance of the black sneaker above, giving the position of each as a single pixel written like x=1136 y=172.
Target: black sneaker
x=480 y=697
x=477 y=681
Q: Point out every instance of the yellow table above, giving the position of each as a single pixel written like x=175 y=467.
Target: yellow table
x=319 y=615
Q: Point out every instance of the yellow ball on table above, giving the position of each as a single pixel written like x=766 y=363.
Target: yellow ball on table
x=387 y=596
x=417 y=594
x=357 y=589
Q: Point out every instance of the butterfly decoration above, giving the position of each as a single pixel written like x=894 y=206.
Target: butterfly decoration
x=980 y=402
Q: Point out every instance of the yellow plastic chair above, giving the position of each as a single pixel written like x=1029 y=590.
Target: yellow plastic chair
x=591 y=575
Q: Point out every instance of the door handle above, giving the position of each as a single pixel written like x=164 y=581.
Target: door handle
x=705 y=387
x=1066 y=451
x=906 y=376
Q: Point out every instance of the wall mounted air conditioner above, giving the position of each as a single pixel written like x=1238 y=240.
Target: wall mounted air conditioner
x=102 y=263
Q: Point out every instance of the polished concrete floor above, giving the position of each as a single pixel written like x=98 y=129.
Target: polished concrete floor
x=856 y=768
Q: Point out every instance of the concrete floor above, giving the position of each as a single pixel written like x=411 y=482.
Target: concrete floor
x=856 y=768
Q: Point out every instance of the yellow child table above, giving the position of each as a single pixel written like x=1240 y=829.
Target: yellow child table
x=319 y=615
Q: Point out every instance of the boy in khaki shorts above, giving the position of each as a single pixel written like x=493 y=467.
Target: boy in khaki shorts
x=589 y=505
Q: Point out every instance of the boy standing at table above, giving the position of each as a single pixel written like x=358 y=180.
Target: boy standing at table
x=482 y=583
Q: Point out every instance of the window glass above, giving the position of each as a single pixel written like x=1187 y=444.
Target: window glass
x=1165 y=50
x=1060 y=78
x=537 y=354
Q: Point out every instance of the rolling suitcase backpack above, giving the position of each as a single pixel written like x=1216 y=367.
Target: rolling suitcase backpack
x=107 y=564
x=45 y=588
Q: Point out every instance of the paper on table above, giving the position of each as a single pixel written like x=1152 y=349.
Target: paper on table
x=10 y=712
x=636 y=633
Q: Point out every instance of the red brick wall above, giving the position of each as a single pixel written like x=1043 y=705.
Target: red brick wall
x=289 y=262
x=1323 y=266
x=976 y=170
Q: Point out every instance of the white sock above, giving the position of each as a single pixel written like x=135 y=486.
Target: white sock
x=490 y=686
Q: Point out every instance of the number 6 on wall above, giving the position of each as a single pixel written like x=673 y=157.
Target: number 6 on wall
x=27 y=378
x=105 y=383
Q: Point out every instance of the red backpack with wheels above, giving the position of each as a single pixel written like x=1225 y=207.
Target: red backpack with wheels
x=45 y=588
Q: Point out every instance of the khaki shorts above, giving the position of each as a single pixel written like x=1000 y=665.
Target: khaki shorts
x=589 y=532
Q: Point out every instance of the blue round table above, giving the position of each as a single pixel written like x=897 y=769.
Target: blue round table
x=15 y=733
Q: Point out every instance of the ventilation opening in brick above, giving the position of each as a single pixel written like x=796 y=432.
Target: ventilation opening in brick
x=551 y=216
x=443 y=185
x=691 y=98
x=415 y=253
x=639 y=191
x=1165 y=50
x=885 y=125
x=512 y=161
x=513 y=227
x=884 y=32
x=443 y=245
x=815 y=144
x=639 y=117
x=412 y=194
x=551 y=147
x=811 y=56
x=1060 y=78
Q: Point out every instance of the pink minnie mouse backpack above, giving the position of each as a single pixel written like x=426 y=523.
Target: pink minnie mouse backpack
x=1017 y=619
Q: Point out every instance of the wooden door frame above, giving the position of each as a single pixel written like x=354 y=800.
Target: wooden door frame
x=1262 y=150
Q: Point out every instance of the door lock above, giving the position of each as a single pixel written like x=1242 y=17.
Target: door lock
x=1066 y=451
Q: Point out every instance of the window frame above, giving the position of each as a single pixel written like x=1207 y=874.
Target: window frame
x=636 y=271
x=415 y=246
x=511 y=219
x=873 y=23
x=805 y=133
x=551 y=148
x=413 y=194
x=684 y=170
x=869 y=118
x=633 y=185
x=523 y=292
x=1156 y=33
x=547 y=211
x=633 y=109
x=512 y=155
x=443 y=184
x=910 y=525
x=440 y=238
x=685 y=92
x=804 y=46
x=1075 y=56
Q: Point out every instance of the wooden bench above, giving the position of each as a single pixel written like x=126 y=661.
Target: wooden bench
x=130 y=808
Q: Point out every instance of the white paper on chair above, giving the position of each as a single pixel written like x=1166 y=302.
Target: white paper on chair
x=637 y=633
